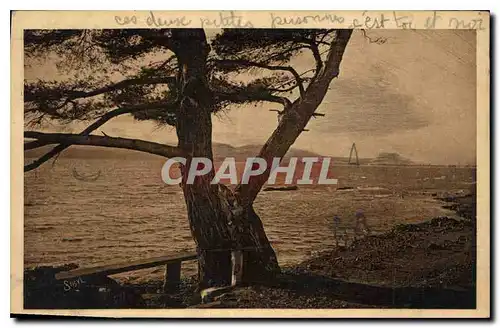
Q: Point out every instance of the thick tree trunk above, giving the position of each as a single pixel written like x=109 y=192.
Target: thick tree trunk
x=260 y=262
x=221 y=220
x=218 y=224
x=221 y=225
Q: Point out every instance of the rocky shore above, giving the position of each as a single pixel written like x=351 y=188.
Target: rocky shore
x=426 y=265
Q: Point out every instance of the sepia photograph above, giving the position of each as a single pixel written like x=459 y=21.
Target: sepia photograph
x=171 y=162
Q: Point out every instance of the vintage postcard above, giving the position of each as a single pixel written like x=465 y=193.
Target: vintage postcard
x=250 y=164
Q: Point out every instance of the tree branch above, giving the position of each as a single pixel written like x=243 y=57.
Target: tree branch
x=313 y=45
x=101 y=141
x=317 y=58
x=322 y=40
x=107 y=116
x=282 y=90
x=73 y=95
x=242 y=97
x=246 y=63
x=121 y=85
x=101 y=121
x=278 y=55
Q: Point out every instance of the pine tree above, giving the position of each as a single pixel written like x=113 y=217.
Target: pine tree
x=192 y=81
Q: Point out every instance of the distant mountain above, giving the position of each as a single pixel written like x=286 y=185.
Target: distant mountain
x=390 y=159
x=91 y=152
x=220 y=152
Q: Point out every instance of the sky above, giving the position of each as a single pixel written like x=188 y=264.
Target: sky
x=414 y=95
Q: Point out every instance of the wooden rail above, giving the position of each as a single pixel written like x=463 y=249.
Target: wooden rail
x=172 y=268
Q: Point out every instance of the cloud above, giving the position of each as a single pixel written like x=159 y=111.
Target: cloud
x=360 y=106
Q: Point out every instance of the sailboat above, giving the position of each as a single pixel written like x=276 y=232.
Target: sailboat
x=353 y=149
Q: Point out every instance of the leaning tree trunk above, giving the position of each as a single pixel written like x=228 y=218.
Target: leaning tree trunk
x=296 y=116
x=294 y=120
x=218 y=224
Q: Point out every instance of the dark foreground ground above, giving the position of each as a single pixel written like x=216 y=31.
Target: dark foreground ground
x=426 y=265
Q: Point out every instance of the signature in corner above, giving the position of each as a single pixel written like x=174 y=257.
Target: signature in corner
x=73 y=284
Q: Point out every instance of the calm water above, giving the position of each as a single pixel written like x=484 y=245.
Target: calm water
x=129 y=213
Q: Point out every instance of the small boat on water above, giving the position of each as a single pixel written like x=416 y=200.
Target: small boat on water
x=281 y=188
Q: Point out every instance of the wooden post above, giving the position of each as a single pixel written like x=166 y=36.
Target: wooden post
x=237 y=272
x=172 y=277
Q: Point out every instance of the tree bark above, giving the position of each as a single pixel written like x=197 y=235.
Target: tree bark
x=218 y=224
